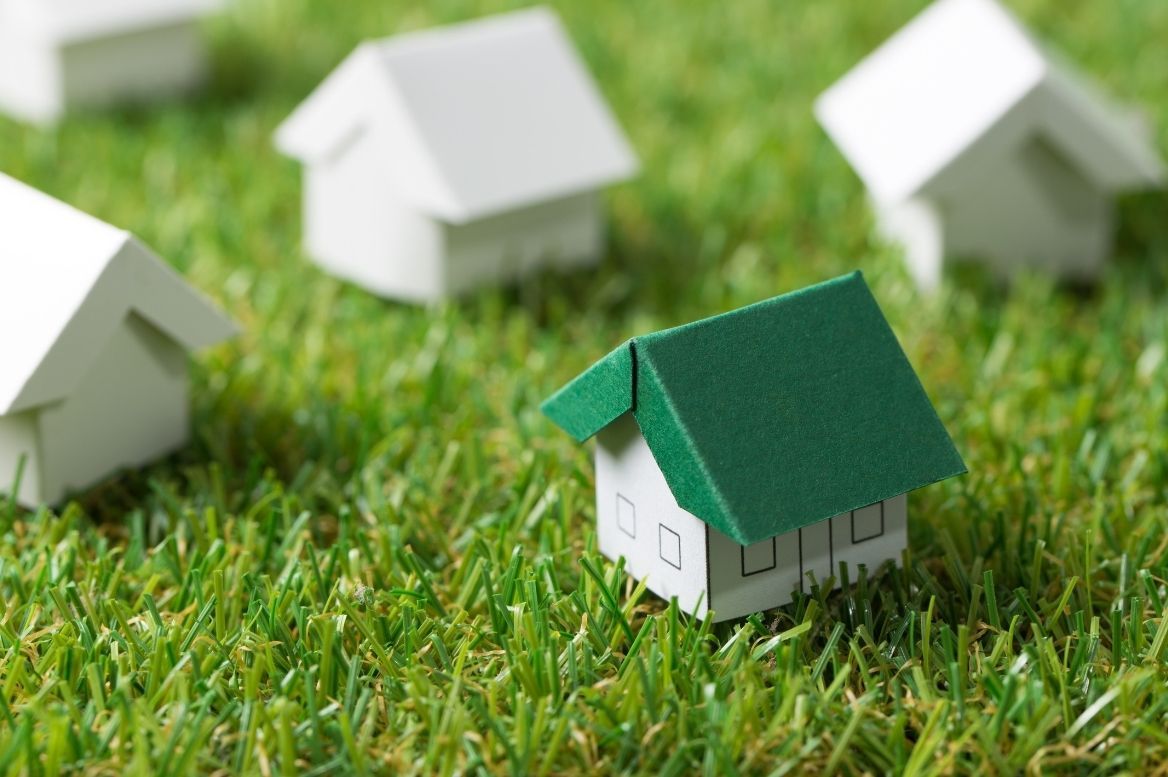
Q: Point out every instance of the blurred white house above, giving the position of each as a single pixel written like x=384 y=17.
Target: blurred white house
x=442 y=160
x=94 y=335
x=57 y=55
x=975 y=143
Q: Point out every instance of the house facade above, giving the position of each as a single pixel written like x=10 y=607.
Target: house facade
x=57 y=56
x=133 y=400
x=976 y=145
x=95 y=331
x=441 y=161
x=638 y=519
x=709 y=436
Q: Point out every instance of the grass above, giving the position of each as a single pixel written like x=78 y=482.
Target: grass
x=378 y=558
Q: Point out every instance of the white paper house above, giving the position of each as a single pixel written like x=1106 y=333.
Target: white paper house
x=975 y=143
x=94 y=336
x=748 y=456
x=57 y=55
x=439 y=161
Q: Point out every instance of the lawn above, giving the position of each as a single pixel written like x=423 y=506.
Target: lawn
x=378 y=557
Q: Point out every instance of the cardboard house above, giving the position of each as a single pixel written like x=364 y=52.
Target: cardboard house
x=749 y=455
x=439 y=161
x=94 y=336
x=974 y=143
x=57 y=55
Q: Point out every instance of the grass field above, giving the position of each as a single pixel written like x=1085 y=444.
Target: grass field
x=378 y=558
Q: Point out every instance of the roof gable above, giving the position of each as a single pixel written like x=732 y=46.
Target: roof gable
x=67 y=281
x=775 y=416
x=597 y=397
x=497 y=114
x=1113 y=144
x=923 y=98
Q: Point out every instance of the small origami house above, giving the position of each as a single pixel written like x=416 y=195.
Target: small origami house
x=741 y=456
x=56 y=55
x=443 y=160
x=975 y=144
x=94 y=334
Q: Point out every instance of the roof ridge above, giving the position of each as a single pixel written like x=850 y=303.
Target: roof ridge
x=754 y=307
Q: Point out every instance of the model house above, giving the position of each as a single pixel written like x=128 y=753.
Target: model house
x=439 y=161
x=94 y=336
x=974 y=143
x=56 y=55
x=749 y=455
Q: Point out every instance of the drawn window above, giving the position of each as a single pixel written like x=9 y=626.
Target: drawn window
x=868 y=523
x=759 y=557
x=669 y=545
x=626 y=516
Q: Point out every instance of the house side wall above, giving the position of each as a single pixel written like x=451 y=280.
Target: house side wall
x=563 y=233
x=1015 y=199
x=129 y=409
x=759 y=578
x=30 y=82
x=133 y=66
x=765 y=575
x=636 y=511
x=18 y=440
x=1032 y=209
x=870 y=537
x=917 y=226
x=356 y=228
x=638 y=518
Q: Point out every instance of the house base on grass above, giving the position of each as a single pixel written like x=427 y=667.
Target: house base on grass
x=748 y=456
x=60 y=55
x=440 y=161
x=94 y=336
x=976 y=144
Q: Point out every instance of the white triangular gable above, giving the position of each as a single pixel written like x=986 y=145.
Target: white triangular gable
x=945 y=81
x=67 y=281
x=474 y=119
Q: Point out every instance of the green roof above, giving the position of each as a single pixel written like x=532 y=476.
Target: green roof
x=774 y=416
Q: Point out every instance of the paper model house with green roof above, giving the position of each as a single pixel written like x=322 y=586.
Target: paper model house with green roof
x=743 y=457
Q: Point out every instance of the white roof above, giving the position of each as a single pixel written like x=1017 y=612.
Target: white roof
x=63 y=21
x=913 y=106
x=67 y=281
x=472 y=119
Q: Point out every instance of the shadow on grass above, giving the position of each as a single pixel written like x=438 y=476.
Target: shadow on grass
x=241 y=447
x=645 y=271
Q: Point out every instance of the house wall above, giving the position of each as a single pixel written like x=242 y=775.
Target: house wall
x=133 y=66
x=1014 y=199
x=638 y=518
x=129 y=409
x=563 y=233
x=356 y=228
x=764 y=575
x=916 y=225
x=741 y=580
x=30 y=83
x=1030 y=208
x=18 y=438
